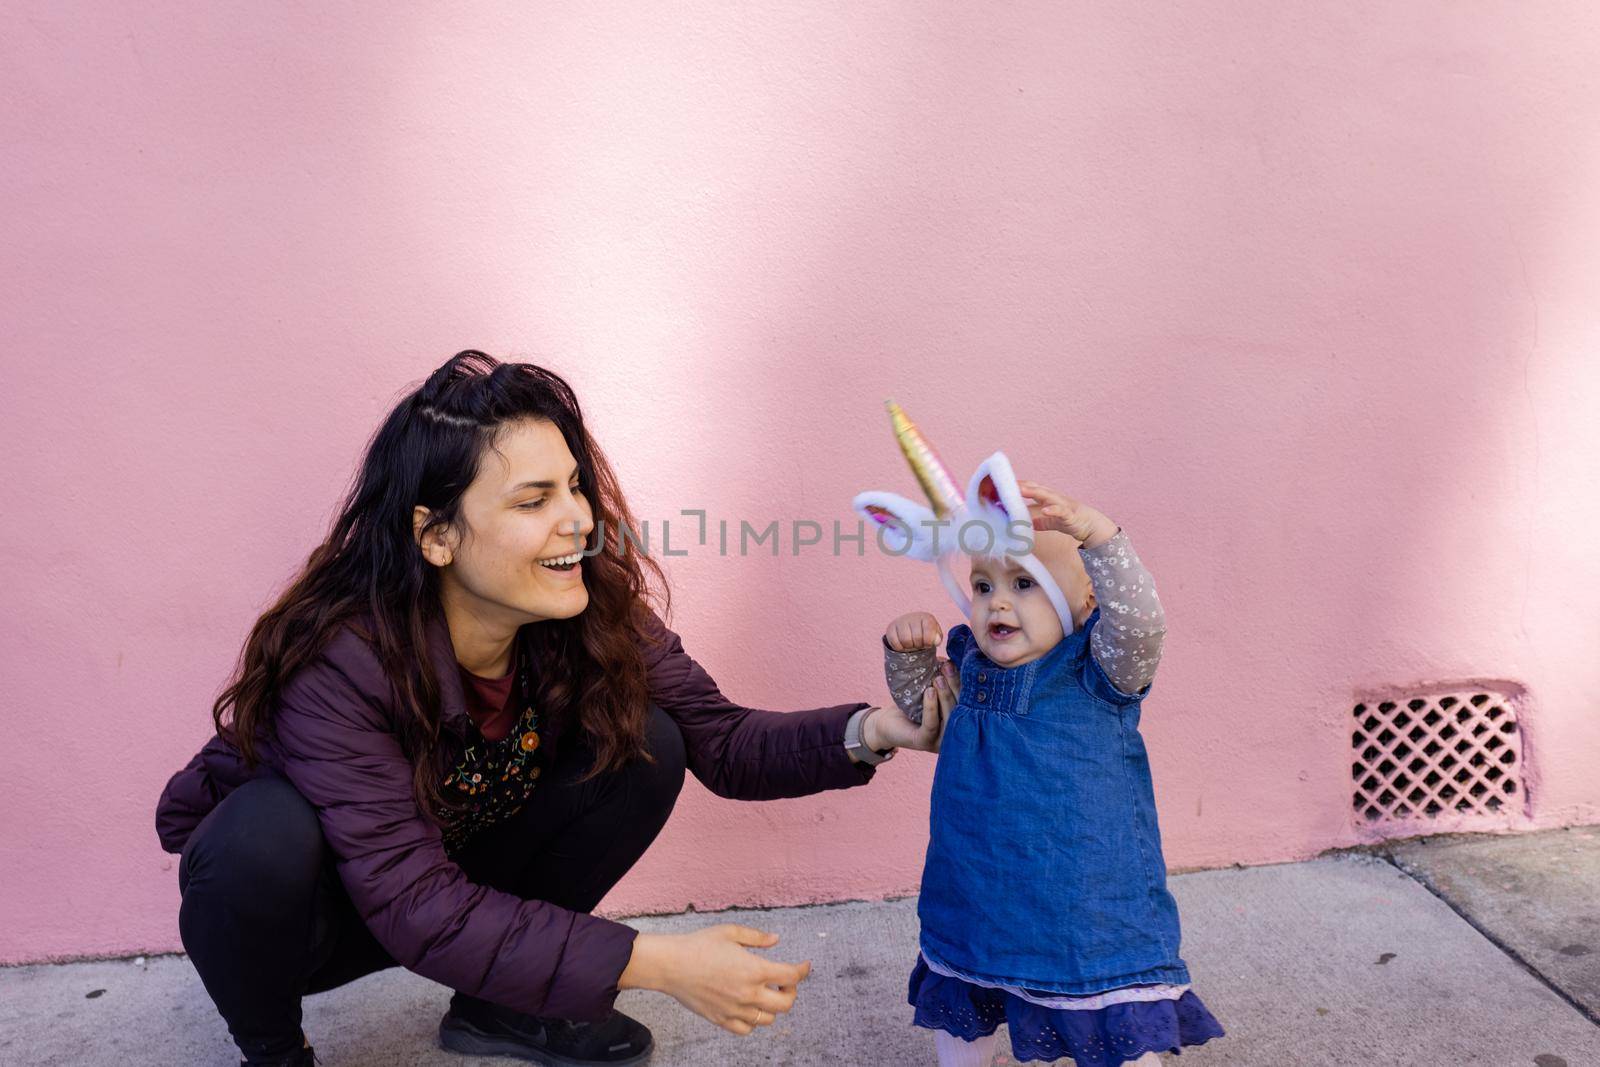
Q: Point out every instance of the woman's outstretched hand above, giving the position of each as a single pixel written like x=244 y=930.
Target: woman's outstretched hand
x=713 y=973
x=889 y=728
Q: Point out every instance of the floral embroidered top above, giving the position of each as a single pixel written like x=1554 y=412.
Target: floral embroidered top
x=504 y=754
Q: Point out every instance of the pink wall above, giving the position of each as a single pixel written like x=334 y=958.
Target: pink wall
x=1302 y=295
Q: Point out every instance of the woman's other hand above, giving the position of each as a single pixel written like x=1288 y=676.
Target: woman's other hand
x=713 y=973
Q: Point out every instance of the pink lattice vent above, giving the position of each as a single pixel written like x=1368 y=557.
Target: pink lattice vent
x=1453 y=757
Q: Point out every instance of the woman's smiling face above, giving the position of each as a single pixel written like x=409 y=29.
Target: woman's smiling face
x=1012 y=617
x=523 y=507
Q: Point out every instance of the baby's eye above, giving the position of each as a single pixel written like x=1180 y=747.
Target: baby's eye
x=981 y=587
x=1024 y=583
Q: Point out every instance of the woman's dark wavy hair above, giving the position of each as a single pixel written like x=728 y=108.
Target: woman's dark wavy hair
x=370 y=574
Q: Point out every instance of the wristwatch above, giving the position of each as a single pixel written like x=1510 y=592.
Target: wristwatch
x=855 y=746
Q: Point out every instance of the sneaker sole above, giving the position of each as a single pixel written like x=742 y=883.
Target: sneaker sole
x=476 y=1043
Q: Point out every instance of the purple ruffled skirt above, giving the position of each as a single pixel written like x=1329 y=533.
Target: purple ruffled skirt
x=1093 y=1037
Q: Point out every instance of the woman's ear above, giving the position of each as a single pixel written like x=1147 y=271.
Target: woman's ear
x=434 y=541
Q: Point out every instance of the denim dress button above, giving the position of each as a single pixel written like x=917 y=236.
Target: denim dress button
x=982 y=697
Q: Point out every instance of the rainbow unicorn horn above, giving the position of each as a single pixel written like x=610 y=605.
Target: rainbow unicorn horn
x=931 y=474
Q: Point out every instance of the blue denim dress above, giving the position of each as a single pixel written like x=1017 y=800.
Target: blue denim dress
x=1044 y=868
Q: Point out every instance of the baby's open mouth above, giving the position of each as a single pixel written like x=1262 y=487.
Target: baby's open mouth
x=1000 y=632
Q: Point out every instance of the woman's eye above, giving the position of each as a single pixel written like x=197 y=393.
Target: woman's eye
x=535 y=505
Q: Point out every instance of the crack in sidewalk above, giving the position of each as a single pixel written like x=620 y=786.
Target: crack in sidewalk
x=1425 y=882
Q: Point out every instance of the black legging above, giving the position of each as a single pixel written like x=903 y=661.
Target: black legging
x=265 y=919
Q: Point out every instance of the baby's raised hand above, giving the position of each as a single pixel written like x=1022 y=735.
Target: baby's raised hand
x=1057 y=511
x=916 y=630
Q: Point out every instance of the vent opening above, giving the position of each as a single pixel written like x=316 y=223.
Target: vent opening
x=1455 y=754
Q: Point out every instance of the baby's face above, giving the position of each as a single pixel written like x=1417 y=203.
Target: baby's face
x=1012 y=617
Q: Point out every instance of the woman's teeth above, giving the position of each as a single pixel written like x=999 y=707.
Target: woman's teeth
x=562 y=563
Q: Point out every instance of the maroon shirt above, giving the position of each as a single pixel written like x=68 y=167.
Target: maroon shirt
x=488 y=702
x=336 y=744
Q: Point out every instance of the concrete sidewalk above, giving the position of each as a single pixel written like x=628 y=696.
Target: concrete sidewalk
x=1462 y=950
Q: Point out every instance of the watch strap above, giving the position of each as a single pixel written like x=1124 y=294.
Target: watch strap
x=857 y=747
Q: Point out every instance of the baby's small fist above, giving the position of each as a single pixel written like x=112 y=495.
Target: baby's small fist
x=917 y=630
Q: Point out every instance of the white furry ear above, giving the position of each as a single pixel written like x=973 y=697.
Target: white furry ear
x=994 y=500
x=906 y=525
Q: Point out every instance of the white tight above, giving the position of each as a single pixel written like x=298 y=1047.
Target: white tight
x=954 y=1052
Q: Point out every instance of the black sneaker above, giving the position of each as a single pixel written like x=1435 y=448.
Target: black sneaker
x=483 y=1029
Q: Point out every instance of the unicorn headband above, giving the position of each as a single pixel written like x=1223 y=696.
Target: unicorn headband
x=986 y=523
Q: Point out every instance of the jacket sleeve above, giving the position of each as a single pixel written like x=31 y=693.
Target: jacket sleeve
x=339 y=751
x=748 y=753
x=188 y=797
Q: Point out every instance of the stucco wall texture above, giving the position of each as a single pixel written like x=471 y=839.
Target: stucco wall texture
x=1303 y=295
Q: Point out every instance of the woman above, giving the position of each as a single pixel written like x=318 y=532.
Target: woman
x=457 y=730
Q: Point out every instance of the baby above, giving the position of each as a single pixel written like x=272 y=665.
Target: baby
x=1044 y=902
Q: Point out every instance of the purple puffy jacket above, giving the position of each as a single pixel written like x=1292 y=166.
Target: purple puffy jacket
x=335 y=743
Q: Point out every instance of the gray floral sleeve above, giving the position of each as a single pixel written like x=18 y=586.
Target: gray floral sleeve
x=908 y=674
x=1133 y=627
